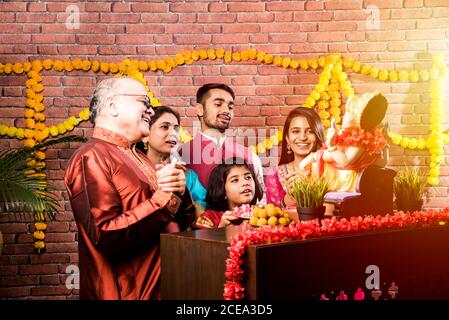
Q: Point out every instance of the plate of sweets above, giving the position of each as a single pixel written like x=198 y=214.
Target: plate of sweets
x=269 y=215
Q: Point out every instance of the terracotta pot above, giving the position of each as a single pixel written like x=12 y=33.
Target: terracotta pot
x=410 y=205
x=311 y=213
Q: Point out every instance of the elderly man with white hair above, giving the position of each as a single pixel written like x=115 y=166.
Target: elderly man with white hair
x=120 y=200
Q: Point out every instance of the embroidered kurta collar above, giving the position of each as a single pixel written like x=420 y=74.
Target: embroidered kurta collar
x=111 y=136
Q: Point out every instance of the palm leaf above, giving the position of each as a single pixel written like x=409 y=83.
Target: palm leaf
x=20 y=191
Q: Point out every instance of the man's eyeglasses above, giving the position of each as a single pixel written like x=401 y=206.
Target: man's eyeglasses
x=146 y=102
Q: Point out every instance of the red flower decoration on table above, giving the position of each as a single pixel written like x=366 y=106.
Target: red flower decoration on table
x=234 y=290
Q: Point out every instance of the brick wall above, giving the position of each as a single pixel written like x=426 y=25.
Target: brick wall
x=112 y=31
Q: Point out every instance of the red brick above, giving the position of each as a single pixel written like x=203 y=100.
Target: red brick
x=242 y=80
x=94 y=39
x=258 y=38
x=212 y=29
x=159 y=17
x=384 y=4
x=217 y=17
x=259 y=17
x=436 y=3
x=77 y=49
x=192 y=39
x=38 y=269
x=62 y=247
x=309 y=47
x=268 y=91
x=238 y=69
x=52 y=279
x=147 y=28
x=12 y=6
x=407 y=46
x=241 y=28
x=134 y=39
x=16 y=281
x=413 y=3
x=326 y=36
x=179 y=91
x=19 y=259
x=248 y=122
x=35 y=17
x=275 y=121
x=280 y=27
x=8 y=270
x=53 y=38
x=345 y=5
x=188 y=7
x=99 y=6
x=62 y=7
x=121 y=7
x=49 y=290
x=441 y=12
x=183 y=28
x=264 y=101
x=246 y=7
x=247 y=112
x=11 y=28
x=217 y=7
x=119 y=17
x=433 y=23
x=336 y=26
x=289 y=38
x=14 y=292
x=14 y=228
x=286 y=6
x=60 y=237
x=312 y=16
x=385 y=35
x=426 y=35
x=270 y=80
x=15 y=38
x=149 y=7
x=368 y=46
x=283 y=16
x=270 y=111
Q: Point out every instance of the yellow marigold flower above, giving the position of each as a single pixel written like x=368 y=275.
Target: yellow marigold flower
x=383 y=75
x=253 y=149
x=3 y=129
x=104 y=67
x=424 y=75
x=277 y=61
x=303 y=64
x=40 y=155
x=211 y=54
x=324 y=114
x=26 y=66
x=366 y=69
x=29 y=143
x=274 y=140
x=220 y=53
x=310 y=101
x=95 y=66
x=433 y=181
x=40 y=226
x=228 y=57
x=294 y=64
x=244 y=55
x=326 y=123
x=36 y=65
x=68 y=66
x=322 y=61
x=342 y=76
x=261 y=147
x=356 y=67
x=77 y=64
x=403 y=75
x=393 y=76
x=40 y=126
x=203 y=54
x=39 y=244
x=315 y=95
x=61 y=128
x=313 y=63
x=167 y=69
x=404 y=143
x=38 y=87
x=236 y=56
x=84 y=114
x=413 y=143
x=39 y=107
x=323 y=104
x=348 y=92
x=11 y=132
x=187 y=54
x=53 y=131
x=335 y=103
x=73 y=121
x=189 y=61
x=161 y=64
x=268 y=144
x=17 y=68
x=280 y=134
x=29 y=113
x=152 y=65
x=48 y=64
x=19 y=133
x=30 y=123
x=286 y=62
x=59 y=65
x=2 y=66
x=434 y=73
x=252 y=53
x=113 y=68
x=414 y=76
x=195 y=55
x=68 y=126
x=422 y=143
x=8 y=68
x=374 y=72
x=29 y=134
x=396 y=139
x=179 y=58
x=268 y=59
x=85 y=65
x=39 y=116
x=348 y=62
x=335 y=111
x=260 y=56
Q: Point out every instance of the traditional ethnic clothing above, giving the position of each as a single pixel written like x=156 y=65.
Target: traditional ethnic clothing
x=204 y=153
x=209 y=219
x=120 y=212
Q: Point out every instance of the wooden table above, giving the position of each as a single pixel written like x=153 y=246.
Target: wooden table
x=416 y=260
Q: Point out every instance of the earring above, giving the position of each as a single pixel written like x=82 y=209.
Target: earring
x=289 y=150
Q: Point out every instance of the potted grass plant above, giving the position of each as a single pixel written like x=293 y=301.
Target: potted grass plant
x=308 y=193
x=409 y=188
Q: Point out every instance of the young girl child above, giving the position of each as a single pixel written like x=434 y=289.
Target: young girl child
x=231 y=184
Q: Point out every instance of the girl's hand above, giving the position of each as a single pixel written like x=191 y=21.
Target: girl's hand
x=226 y=219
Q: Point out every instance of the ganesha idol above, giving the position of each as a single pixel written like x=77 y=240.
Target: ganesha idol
x=359 y=143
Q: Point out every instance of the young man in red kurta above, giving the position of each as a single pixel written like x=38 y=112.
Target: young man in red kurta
x=120 y=200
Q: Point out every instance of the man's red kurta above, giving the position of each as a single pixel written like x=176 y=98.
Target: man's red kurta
x=120 y=213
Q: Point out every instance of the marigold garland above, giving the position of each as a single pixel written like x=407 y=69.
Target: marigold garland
x=326 y=96
x=234 y=289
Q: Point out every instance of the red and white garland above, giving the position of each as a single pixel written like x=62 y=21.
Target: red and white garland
x=234 y=290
